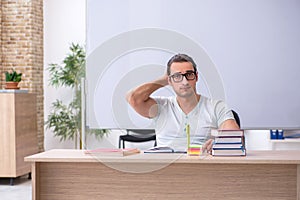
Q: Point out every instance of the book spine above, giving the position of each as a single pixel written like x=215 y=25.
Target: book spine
x=224 y=148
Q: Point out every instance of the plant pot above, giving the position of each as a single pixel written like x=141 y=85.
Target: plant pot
x=11 y=85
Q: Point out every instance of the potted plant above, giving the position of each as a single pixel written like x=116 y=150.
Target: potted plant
x=12 y=79
x=65 y=119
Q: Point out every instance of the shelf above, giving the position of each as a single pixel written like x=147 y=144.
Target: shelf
x=18 y=131
x=13 y=91
x=289 y=140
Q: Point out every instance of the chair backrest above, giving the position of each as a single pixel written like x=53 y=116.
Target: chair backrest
x=141 y=132
x=236 y=117
x=137 y=135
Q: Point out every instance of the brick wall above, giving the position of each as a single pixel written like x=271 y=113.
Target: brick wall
x=22 y=49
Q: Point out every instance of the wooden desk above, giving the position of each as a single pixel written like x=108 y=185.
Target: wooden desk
x=70 y=174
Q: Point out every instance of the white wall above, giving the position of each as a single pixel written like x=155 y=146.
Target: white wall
x=64 y=23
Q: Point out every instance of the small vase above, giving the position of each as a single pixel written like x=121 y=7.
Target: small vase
x=11 y=85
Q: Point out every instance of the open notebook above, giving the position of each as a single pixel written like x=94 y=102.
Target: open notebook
x=163 y=150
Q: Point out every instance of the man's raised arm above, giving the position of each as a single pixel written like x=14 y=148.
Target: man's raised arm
x=139 y=98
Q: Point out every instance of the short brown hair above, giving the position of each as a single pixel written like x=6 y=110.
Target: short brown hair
x=180 y=58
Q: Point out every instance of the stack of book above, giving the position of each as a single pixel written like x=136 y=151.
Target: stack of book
x=229 y=143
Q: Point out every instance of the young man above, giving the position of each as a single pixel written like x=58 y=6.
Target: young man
x=173 y=114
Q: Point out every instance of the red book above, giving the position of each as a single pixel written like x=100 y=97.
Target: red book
x=112 y=152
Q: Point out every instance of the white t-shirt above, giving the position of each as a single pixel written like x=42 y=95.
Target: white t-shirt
x=171 y=121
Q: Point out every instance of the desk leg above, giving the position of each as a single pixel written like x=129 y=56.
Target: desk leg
x=35 y=169
x=298 y=182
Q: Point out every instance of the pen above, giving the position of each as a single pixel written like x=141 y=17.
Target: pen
x=187 y=129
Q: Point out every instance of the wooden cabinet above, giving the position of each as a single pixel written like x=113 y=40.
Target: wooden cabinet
x=18 y=132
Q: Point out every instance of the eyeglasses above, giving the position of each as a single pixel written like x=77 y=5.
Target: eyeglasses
x=178 y=77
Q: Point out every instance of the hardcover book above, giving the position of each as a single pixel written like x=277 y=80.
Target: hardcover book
x=230 y=133
x=228 y=146
x=229 y=152
x=229 y=140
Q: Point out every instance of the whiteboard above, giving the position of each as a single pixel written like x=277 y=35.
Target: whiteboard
x=247 y=53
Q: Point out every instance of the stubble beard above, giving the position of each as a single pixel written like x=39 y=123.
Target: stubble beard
x=187 y=92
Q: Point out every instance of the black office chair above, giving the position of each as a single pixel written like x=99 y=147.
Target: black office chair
x=137 y=135
x=237 y=118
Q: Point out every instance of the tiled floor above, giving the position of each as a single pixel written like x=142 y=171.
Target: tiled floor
x=21 y=190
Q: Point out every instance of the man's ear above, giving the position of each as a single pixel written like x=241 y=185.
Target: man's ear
x=169 y=81
x=196 y=76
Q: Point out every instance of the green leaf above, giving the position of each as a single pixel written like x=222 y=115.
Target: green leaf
x=13 y=76
x=65 y=119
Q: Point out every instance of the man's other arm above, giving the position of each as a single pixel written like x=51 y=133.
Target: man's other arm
x=229 y=124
